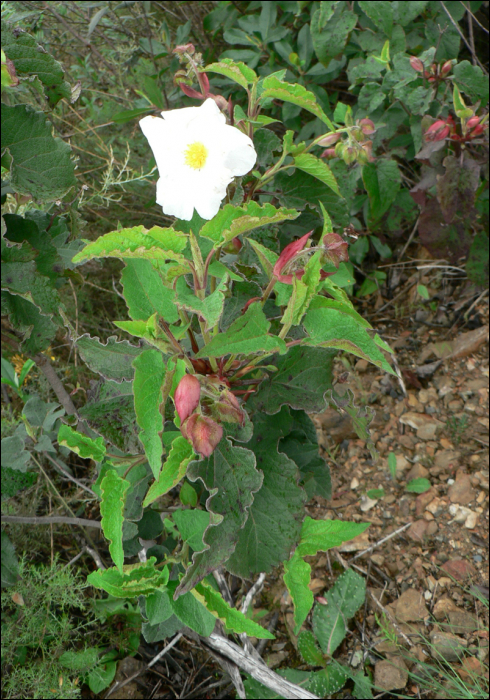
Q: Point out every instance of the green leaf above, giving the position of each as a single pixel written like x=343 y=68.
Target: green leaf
x=382 y=182
x=41 y=165
x=112 y=360
x=187 y=495
x=145 y=293
x=210 y=308
x=343 y=601
x=232 y=221
x=266 y=256
x=110 y=407
x=361 y=416
x=30 y=59
x=309 y=650
x=150 y=394
x=302 y=378
x=273 y=525
x=235 y=70
x=295 y=94
x=375 y=493
x=137 y=242
x=333 y=329
x=192 y=524
x=408 y=11
x=14 y=455
x=317 y=168
x=248 y=334
x=471 y=80
x=134 y=580
x=173 y=471
x=79 y=660
x=231 y=479
x=316 y=535
x=300 y=189
x=114 y=490
x=189 y=609
x=231 y=617
x=420 y=485
x=380 y=13
x=81 y=444
x=101 y=676
x=10 y=565
x=423 y=291
x=330 y=33
x=23 y=279
x=345 y=306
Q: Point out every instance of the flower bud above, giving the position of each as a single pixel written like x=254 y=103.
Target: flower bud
x=349 y=155
x=437 y=131
x=221 y=101
x=446 y=68
x=472 y=122
x=329 y=140
x=478 y=129
x=184 y=48
x=228 y=409
x=367 y=126
x=336 y=249
x=203 y=433
x=416 y=64
x=328 y=153
x=187 y=395
x=339 y=149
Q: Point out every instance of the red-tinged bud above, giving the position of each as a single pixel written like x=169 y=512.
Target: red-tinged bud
x=336 y=249
x=329 y=140
x=201 y=366
x=367 y=126
x=349 y=155
x=237 y=244
x=221 y=101
x=479 y=128
x=187 y=396
x=204 y=83
x=203 y=433
x=472 y=122
x=184 y=48
x=416 y=64
x=446 y=68
x=286 y=256
x=227 y=409
x=431 y=80
x=329 y=153
x=367 y=151
x=437 y=131
x=433 y=69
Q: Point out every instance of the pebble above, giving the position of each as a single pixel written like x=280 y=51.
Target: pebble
x=446 y=645
x=354 y=483
x=461 y=491
x=477 y=558
x=390 y=674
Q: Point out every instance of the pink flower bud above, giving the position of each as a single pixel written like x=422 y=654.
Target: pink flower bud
x=187 y=396
x=228 y=409
x=478 y=129
x=367 y=126
x=329 y=140
x=203 y=433
x=437 y=131
x=328 y=153
x=472 y=122
x=286 y=256
x=446 y=68
x=190 y=92
x=184 y=48
x=416 y=64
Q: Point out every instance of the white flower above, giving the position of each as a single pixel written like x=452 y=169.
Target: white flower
x=197 y=155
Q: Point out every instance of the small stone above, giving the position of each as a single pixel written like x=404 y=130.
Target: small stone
x=378 y=559
x=436 y=506
x=361 y=365
x=446 y=645
x=461 y=622
x=316 y=585
x=354 y=483
x=470 y=522
x=417 y=472
x=447 y=459
x=410 y=606
x=417 y=530
x=459 y=513
x=472 y=669
x=477 y=558
x=461 y=491
x=432 y=528
x=443 y=607
x=402 y=464
x=357 y=543
x=386 y=646
x=458 y=568
x=276 y=658
x=367 y=503
x=390 y=674
x=423 y=500
x=427 y=431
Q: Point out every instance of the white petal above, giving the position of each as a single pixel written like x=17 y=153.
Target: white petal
x=239 y=151
x=165 y=141
x=209 y=190
x=173 y=198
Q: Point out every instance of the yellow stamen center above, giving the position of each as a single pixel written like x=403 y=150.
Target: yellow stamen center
x=196 y=155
